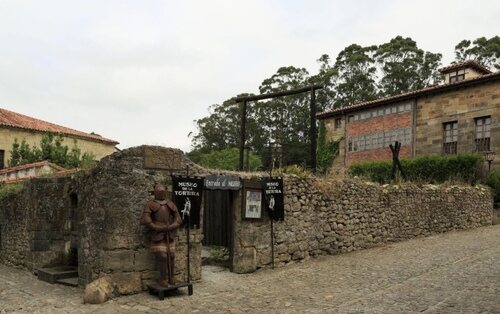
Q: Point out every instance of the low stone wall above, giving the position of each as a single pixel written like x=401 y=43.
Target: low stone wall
x=329 y=218
x=38 y=225
x=97 y=213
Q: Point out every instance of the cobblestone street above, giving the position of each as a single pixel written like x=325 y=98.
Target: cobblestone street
x=458 y=272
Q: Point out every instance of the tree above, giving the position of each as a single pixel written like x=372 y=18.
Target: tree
x=483 y=50
x=405 y=67
x=228 y=159
x=285 y=120
x=356 y=70
x=52 y=150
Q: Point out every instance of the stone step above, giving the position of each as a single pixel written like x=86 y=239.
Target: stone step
x=52 y=274
x=73 y=281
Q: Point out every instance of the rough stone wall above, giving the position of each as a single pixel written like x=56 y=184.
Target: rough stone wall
x=323 y=219
x=38 y=224
x=104 y=206
x=112 y=241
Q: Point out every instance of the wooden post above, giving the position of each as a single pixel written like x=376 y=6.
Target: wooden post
x=243 y=132
x=313 y=131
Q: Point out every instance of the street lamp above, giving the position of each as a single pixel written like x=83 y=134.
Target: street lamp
x=489 y=156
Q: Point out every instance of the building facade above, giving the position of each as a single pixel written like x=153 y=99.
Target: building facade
x=15 y=126
x=459 y=116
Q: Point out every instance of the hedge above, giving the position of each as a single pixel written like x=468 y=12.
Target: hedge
x=429 y=169
x=493 y=181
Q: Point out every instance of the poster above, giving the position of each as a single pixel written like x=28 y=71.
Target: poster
x=273 y=197
x=253 y=204
x=187 y=192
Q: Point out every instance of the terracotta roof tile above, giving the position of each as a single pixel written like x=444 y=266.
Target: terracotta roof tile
x=17 y=120
x=32 y=165
x=408 y=95
x=469 y=63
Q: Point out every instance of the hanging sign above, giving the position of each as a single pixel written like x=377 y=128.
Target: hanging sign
x=221 y=182
x=187 y=192
x=273 y=197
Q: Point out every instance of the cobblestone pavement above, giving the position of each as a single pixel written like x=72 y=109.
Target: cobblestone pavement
x=457 y=272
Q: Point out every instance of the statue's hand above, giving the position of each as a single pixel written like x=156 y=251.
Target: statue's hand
x=159 y=227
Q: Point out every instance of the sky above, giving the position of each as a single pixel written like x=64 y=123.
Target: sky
x=141 y=72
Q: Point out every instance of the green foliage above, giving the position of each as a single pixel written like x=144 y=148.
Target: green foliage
x=356 y=70
x=227 y=159
x=327 y=150
x=483 y=50
x=405 y=67
x=430 y=169
x=8 y=189
x=51 y=149
x=292 y=169
x=493 y=181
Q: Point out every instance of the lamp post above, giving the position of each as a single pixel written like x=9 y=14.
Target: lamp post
x=489 y=156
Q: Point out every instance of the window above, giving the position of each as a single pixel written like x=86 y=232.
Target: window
x=350 y=118
x=450 y=137
x=457 y=76
x=338 y=123
x=2 y=158
x=483 y=126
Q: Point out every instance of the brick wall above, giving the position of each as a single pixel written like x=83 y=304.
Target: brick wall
x=378 y=124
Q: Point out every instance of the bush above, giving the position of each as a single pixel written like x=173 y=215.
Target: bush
x=493 y=181
x=430 y=169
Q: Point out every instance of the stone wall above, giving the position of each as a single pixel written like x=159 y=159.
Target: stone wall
x=97 y=213
x=329 y=218
x=461 y=105
x=38 y=225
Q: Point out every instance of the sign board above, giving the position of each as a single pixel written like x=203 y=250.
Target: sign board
x=273 y=197
x=187 y=192
x=221 y=182
x=253 y=204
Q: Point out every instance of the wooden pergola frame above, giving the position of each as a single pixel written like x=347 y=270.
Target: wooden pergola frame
x=312 y=131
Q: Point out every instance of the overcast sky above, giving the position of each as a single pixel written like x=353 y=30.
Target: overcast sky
x=140 y=72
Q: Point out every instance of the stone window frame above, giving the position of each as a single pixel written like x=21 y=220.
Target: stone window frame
x=482 y=133
x=457 y=76
x=450 y=137
x=338 y=123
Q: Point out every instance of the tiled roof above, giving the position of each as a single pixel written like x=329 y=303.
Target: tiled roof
x=17 y=120
x=409 y=95
x=32 y=165
x=469 y=63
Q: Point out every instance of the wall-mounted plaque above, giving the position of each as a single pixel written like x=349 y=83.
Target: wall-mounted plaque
x=187 y=192
x=273 y=197
x=221 y=182
x=253 y=204
x=162 y=158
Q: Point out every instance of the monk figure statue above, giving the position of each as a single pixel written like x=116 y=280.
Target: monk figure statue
x=162 y=217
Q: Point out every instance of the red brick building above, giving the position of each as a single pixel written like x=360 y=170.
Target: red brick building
x=460 y=115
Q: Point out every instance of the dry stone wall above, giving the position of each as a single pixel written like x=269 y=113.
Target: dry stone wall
x=38 y=225
x=99 y=212
x=331 y=218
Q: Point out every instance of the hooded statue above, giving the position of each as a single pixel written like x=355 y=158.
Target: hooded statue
x=162 y=217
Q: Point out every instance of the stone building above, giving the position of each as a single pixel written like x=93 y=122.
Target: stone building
x=461 y=115
x=17 y=126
